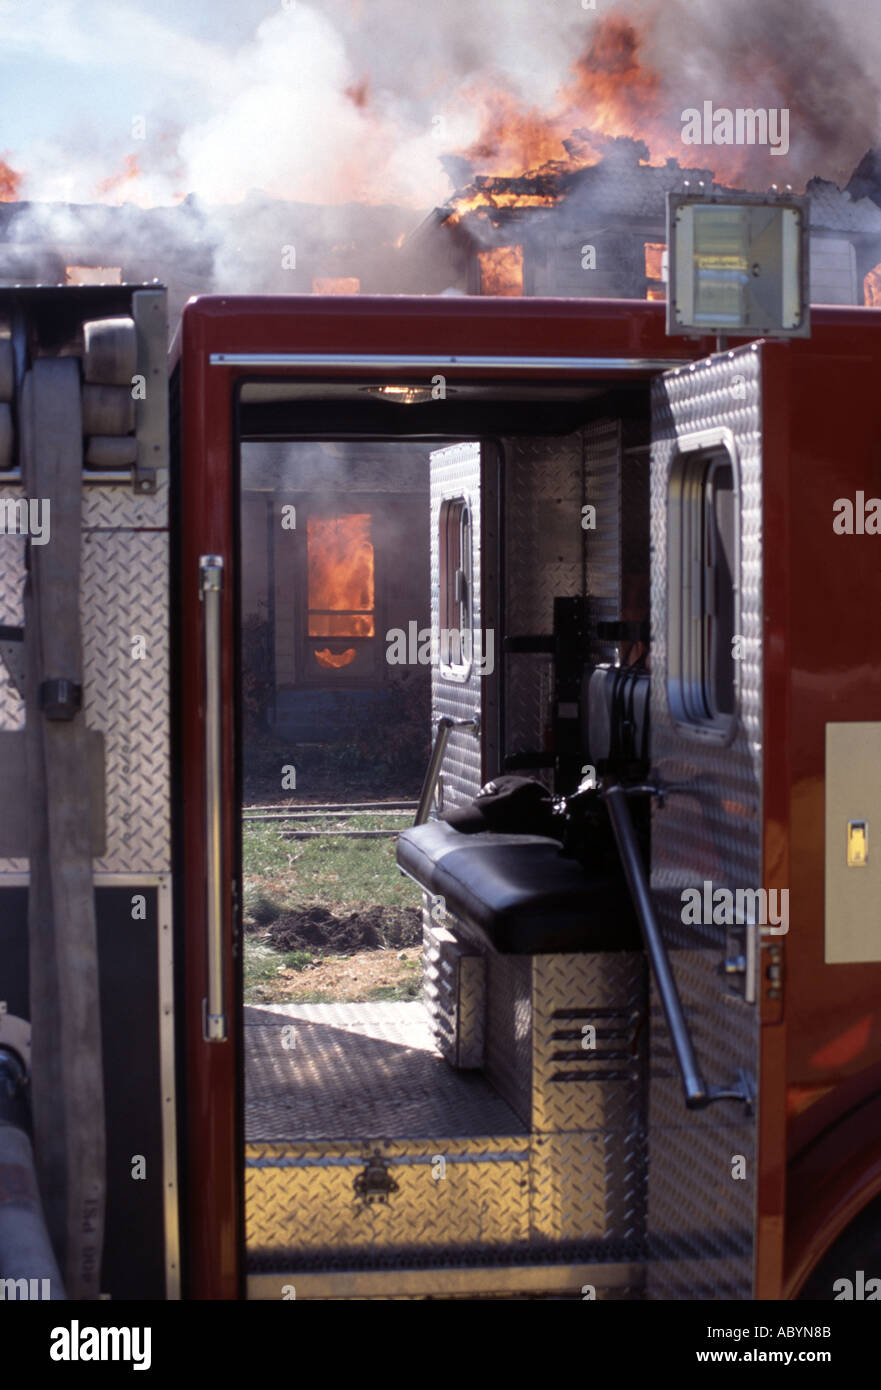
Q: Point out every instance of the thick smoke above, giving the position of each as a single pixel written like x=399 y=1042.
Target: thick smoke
x=391 y=106
x=821 y=59
x=362 y=102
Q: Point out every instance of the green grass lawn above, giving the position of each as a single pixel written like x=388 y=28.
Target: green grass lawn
x=339 y=874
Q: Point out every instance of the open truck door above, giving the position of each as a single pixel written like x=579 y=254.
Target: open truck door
x=718 y=861
x=655 y=1162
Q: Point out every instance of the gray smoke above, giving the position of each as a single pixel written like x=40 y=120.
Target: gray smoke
x=320 y=126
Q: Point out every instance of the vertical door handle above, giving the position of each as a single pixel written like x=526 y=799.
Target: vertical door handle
x=214 y=1023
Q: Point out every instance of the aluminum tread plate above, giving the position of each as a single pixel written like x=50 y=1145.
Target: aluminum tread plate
x=124 y=596
x=359 y=1072
x=124 y=586
x=543 y=560
x=701 y=1218
x=303 y=1196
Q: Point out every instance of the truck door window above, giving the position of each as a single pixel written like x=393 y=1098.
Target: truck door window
x=703 y=580
x=455 y=588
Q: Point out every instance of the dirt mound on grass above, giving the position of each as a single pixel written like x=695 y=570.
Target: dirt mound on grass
x=373 y=929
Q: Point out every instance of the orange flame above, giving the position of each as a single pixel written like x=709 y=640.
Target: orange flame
x=501 y=270
x=338 y=284
x=115 y=182
x=10 y=183
x=492 y=198
x=334 y=661
x=610 y=94
x=340 y=576
x=872 y=288
x=654 y=253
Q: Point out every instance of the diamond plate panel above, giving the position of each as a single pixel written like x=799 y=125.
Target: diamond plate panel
x=617 y=484
x=454 y=994
x=439 y=984
x=357 y=1072
x=544 y=559
x=455 y=472
x=607 y=991
x=602 y=457
x=300 y=1197
x=710 y=833
x=588 y=1186
x=125 y=596
x=121 y=508
x=508 y=1063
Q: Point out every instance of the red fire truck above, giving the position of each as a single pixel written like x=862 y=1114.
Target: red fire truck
x=654 y=1078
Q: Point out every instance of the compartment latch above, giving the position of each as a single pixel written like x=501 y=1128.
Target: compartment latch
x=376 y=1183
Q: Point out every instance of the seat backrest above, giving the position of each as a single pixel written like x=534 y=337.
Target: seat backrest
x=615 y=718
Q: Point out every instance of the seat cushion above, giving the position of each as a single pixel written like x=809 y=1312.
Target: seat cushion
x=519 y=892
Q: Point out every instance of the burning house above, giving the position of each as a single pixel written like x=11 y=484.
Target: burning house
x=600 y=232
x=593 y=225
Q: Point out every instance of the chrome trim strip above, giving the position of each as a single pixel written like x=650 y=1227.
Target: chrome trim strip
x=385 y=1283
x=167 y=1086
x=214 y=1027
x=104 y=880
x=437 y=360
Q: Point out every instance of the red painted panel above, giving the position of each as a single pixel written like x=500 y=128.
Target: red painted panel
x=833 y=1012
x=212 y=1236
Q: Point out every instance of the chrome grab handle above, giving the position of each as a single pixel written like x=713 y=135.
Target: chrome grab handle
x=698 y=1095
x=214 y=1023
x=445 y=727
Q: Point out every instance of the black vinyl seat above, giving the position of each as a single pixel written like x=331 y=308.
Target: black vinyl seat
x=518 y=891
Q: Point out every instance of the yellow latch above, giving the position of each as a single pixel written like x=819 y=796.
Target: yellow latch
x=857 y=844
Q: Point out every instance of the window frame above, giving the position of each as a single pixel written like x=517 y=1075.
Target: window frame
x=367 y=669
x=458 y=505
x=690 y=677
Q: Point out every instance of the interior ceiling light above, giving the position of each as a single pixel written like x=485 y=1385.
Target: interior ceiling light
x=402 y=395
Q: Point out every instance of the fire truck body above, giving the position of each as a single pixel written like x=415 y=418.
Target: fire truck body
x=592 y=481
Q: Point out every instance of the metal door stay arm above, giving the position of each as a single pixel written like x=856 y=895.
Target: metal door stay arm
x=698 y=1095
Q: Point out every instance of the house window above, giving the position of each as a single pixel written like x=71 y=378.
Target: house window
x=456 y=612
x=703 y=600
x=656 y=269
x=340 y=586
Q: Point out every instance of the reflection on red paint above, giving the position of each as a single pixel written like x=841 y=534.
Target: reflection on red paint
x=845 y=1047
x=798 y=1098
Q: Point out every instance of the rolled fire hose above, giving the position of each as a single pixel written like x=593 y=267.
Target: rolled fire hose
x=28 y=1268
x=66 y=1062
x=7 y=381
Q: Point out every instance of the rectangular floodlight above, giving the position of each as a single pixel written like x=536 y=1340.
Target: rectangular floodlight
x=738 y=266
